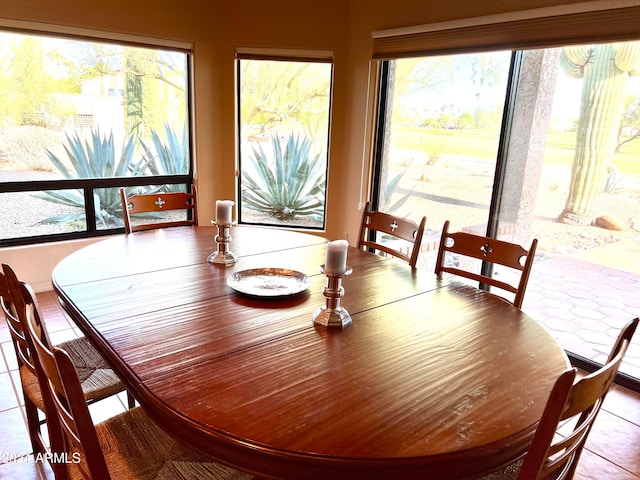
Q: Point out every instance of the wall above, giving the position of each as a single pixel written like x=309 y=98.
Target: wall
x=34 y=264
x=215 y=28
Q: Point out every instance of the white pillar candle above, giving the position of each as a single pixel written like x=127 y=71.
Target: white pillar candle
x=336 y=261
x=223 y=211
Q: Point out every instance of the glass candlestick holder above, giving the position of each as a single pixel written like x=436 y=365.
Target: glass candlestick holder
x=223 y=255
x=332 y=315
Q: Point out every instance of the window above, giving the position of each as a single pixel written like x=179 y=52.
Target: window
x=82 y=121
x=284 y=130
x=521 y=144
x=442 y=125
x=78 y=120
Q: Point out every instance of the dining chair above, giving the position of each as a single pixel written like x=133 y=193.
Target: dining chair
x=394 y=227
x=127 y=446
x=99 y=381
x=157 y=203
x=33 y=403
x=486 y=249
x=567 y=419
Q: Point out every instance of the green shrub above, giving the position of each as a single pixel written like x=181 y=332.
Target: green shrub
x=615 y=181
x=167 y=158
x=389 y=190
x=92 y=158
x=289 y=184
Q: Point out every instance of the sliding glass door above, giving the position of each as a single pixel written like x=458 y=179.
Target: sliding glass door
x=440 y=128
x=520 y=145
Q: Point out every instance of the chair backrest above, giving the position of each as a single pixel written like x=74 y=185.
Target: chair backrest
x=491 y=250
x=22 y=313
x=61 y=386
x=398 y=227
x=556 y=456
x=158 y=203
x=16 y=331
x=20 y=295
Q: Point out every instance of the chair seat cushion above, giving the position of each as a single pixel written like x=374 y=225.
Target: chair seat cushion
x=31 y=387
x=97 y=379
x=510 y=472
x=135 y=447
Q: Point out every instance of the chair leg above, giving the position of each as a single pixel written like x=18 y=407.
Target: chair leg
x=130 y=400
x=38 y=444
x=33 y=424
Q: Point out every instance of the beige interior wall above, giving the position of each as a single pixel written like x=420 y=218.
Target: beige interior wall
x=216 y=28
x=35 y=263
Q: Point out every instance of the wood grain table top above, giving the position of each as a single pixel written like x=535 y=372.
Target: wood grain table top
x=434 y=379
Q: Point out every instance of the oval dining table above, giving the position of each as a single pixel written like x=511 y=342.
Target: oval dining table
x=433 y=379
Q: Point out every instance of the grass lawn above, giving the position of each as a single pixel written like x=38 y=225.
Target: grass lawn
x=483 y=144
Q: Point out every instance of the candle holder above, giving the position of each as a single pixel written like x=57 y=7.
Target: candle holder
x=223 y=256
x=332 y=315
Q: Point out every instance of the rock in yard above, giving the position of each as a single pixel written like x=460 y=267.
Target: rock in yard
x=610 y=223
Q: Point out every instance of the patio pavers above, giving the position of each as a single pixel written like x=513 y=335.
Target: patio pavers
x=585 y=304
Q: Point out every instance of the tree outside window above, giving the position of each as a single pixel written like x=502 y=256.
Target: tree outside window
x=284 y=127
x=73 y=110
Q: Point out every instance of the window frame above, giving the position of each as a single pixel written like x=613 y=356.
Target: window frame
x=547 y=31
x=281 y=55
x=88 y=185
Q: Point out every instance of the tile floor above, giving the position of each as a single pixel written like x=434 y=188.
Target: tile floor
x=584 y=305
x=612 y=451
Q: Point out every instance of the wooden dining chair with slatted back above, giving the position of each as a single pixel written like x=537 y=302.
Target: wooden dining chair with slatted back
x=157 y=204
x=567 y=419
x=99 y=381
x=127 y=446
x=376 y=223
x=33 y=402
x=507 y=254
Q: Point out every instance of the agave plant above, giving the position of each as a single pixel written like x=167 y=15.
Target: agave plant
x=615 y=182
x=93 y=158
x=389 y=190
x=291 y=183
x=170 y=158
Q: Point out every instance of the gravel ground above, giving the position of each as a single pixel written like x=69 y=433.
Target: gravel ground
x=440 y=195
x=437 y=194
x=32 y=209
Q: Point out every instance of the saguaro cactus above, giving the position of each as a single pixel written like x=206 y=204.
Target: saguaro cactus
x=606 y=69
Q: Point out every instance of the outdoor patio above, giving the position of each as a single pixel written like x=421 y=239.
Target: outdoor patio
x=584 y=299
x=585 y=304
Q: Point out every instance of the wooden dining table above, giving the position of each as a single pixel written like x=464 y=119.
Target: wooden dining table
x=433 y=379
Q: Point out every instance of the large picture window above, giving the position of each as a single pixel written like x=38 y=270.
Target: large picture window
x=284 y=129
x=537 y=143
x=78 y=120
